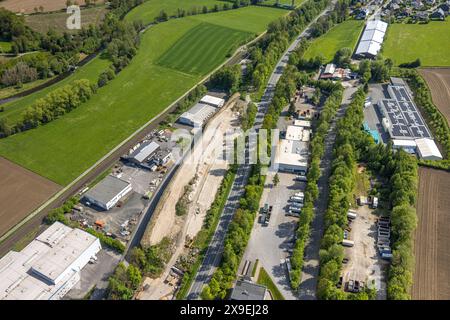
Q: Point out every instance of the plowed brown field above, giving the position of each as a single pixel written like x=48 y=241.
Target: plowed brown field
x=21 y=191
x=438 y=79
x=432 y=238
x=27 y=6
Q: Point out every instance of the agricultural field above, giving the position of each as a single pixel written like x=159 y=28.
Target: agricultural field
x=432 y=252
x=148 y=11
x=57 y=20
x=430 y=42
x=64 y=148
x=198 y=51
x=438 y=80
x=91 y=71
x=28 y=6
x=5 y=47
x=20 y=192
x=345 y=34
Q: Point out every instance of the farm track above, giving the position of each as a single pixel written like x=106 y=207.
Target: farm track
x=438 y=80
x=431 y=279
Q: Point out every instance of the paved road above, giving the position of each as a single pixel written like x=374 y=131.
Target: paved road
x=214 y=252
x=310 y=273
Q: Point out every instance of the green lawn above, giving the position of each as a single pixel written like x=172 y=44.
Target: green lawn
x=429 y=42
x=265 y=280
x=251 y=19
x=64 y=148
x=91 y=71
x=5 y=47
x=198 y=51
x=345 y=34
x=148 y=11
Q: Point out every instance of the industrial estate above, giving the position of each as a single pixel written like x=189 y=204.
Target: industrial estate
x=225 y=150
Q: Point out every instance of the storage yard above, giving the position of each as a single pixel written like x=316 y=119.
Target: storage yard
x=438 y=80
x=432 y=272
x=21 y=191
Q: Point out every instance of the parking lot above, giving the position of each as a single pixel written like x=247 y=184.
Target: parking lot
x=273 y=243
x=95 y=275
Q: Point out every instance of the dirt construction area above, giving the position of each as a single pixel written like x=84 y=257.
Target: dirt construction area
x=27 y=6
x=432 y=250
x=206 y=165
x=21 y=191
x=438 y=80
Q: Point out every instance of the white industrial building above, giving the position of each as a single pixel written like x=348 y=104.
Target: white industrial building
x=197 y=115
x=407 y=145
x=143 y=152
x=427 y=149
x=292 y=153
x=108 y=192
x=298 y=133
x=49 y=266
x=371 y=39
x=292 y=156
x=213 y=101
x=302 y=123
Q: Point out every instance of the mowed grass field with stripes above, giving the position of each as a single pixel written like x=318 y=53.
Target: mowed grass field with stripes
x=169 y=62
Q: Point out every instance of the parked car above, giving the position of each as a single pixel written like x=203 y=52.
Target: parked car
x=350 y=285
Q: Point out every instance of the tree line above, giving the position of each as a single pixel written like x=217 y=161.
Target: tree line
x=341 y=184
x=51 y=107
x=61 y=52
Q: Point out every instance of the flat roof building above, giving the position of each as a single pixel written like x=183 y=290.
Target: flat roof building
x=298 y=133
x=108 y=192
x=407 y=145
x=247 y=290
x=197 y=115
x=401 y=118
x=213 y=101
x=292 y=155
x=143 y=152
x=302 y=123
x=49 y=266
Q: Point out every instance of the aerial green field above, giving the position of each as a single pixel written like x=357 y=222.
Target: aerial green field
x=91 y=71
x=198 y=51
x=429 y=42
x=345 y=34
x=5 y=47
x=148 y=11
x=64 y=148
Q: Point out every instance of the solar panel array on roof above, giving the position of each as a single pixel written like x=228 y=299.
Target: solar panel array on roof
x=405 y=121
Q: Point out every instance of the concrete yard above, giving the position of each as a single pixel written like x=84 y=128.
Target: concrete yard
x=271 y=244
x=365 y=264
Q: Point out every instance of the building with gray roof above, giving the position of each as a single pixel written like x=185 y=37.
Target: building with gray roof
x=108 y=192
x=247 y=290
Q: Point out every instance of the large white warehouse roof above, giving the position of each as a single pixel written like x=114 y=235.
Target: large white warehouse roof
x=49 y=266
x=213 y=101
x=427 y=149
x=376 y=25
x=198 y=114
x=368 y=47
